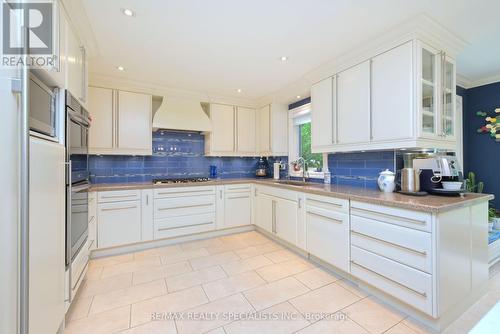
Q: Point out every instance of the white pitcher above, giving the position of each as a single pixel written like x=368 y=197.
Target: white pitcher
x=387 y=181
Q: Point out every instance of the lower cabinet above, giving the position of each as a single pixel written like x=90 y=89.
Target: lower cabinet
x=183 y=210
x=285 y=212
x=237 y=205
x=264 y=212
x=92 y=236
x=277 y=212
x=119 y=218
x=327 y=230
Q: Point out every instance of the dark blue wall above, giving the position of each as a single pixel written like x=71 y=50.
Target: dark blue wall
x=175 y=155
x=481 y=152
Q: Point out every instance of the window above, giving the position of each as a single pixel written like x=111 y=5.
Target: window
x=300 y=141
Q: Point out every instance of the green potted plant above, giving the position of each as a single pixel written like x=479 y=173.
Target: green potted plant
x=471 y=185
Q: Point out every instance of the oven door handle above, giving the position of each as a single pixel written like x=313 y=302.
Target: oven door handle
x=80 y=187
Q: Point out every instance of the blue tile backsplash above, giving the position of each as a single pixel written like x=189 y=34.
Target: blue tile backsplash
x=360 y=169
x=175 y=155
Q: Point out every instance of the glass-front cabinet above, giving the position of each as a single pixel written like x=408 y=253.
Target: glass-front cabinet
x=436 y=94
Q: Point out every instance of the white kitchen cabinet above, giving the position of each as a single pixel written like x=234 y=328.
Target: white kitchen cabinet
x=222 y=137
x=264 y=126
x=101 y=107
x=392 y=94
x=353 y=104
x=121 y=122
x=264 y=212
x=134 y=122
x=323 y=113
x=147 y=214
x=245 y=130
x=119 y=219
x=181 y=211
x=237 y=205
x=286 y=217
x=92 y=236
x=402 y=97
x=327 y=230
x=47 y=237
x=76 y=60
x=272 y=130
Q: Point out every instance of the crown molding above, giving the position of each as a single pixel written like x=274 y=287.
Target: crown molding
x=78 y=19
x=466 y=83
x=99 y=80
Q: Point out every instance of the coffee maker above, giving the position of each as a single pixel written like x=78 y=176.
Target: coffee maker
x=436 y=168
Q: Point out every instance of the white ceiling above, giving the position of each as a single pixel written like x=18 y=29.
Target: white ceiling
x=217 y=46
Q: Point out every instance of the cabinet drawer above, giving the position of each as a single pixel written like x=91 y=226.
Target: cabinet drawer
x=173 y=227
x=327 y=203
x=118 y=223
x=79 y=264
x=118 y=196
x=401 y=244
x=327 y=237
x=278 y=192
x=238 y=188
x=411 y=286
x=183 y=192
x=183 y=206
x=408 y=218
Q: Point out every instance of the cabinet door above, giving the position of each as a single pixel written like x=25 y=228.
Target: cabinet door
x=449 y=98
x=322 y=121
x=101 y=129
x=353 y=94
x=286 y=220
x=429 y=66
x=264 y=212
x=327 y=236
x=264 y=126
x=74 y=64
x=238 y=209
x=134 y=123
x=119 y=223
x=392 y=94
x=245 y=119
x=223 y=126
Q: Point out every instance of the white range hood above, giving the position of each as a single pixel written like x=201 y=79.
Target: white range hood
x=181 y=114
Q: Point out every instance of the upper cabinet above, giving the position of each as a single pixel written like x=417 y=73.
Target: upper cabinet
x=121 y=122
x=401 y=98
x=353 y=104
x=243 y=131
x=272 y=130
x=221 y=140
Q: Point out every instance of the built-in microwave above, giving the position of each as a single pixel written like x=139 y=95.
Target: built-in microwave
x=42 y=107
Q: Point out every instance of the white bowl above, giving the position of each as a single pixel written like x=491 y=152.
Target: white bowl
x=452 y=185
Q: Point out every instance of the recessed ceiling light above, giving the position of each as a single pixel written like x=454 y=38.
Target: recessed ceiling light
x=128 y=12
x=120 y=68
x=239 y=90
x=298 y=96
x=283 y=58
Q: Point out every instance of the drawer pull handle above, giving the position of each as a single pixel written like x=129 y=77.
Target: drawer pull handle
x=378 y=214
x=122 y=208
x=423 y=253
x=118 y=196
x=423 y=294
x=338 y=221
x=186 y=192
x=185 y=207
x=235 y=197
x=176 y=227
x=239 y=188
x=325 y=202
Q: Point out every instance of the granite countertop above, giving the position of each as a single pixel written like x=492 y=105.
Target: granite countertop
x=428 y=203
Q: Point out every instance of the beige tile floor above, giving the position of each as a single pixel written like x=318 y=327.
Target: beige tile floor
x=209 y=285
